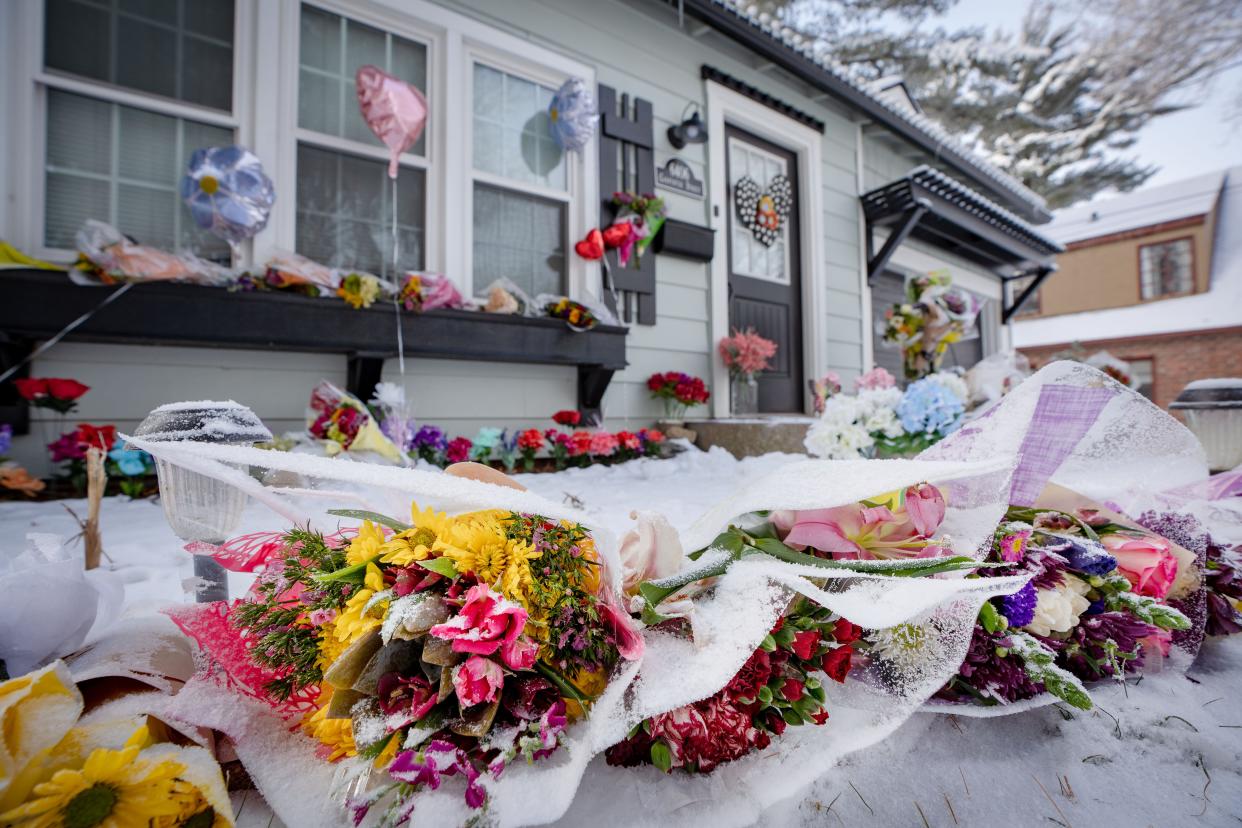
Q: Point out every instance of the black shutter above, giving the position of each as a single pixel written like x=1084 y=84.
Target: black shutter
x=626 y=162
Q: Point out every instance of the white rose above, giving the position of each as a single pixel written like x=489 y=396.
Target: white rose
x=1057 y=609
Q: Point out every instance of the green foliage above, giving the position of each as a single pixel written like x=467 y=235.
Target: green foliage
x=1040 y=667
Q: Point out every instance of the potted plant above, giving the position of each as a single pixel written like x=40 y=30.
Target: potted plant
x=745 y=354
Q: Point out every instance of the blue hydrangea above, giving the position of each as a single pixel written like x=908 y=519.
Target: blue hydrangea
x=928 y=407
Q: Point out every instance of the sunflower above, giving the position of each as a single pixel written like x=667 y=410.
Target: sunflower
x=417 y=542
x=113 y=789
x=366 y=544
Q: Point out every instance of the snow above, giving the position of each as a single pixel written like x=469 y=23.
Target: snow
x=1169 y=728
x=1219 y=307
x=1143 y=208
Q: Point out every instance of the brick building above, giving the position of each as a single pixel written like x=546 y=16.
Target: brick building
x=1152 y=277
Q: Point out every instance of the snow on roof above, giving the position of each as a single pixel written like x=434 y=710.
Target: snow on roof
x=806 y=48
x=1143 y=208
x=1219 y=307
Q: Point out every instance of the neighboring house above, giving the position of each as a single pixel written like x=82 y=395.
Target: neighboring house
x=104 y=102
x=1154 y=278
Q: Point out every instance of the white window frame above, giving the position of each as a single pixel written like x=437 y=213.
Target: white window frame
x=28 y=87
x=264 y=118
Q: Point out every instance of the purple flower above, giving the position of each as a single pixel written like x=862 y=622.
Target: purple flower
x=551 y=726
x=1083 y=555
x=407 y=767
x=994 y=676
x=1019 y=608
x=429 y=437
x=6 y=438
x=1085 y=652
x=67 y=448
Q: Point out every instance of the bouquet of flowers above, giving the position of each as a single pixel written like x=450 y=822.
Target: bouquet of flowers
x=678 y=391
x=746 y=353
x=447 y=646
x=59 y=395
x=342 y=423
x=575 y=314
x=639 y=218
x=359 y=290
x=1095 y=608
x=881 y=420
x=933 y=317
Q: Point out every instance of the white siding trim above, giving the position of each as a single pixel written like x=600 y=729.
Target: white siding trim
x=864 y=286
x=725 y=105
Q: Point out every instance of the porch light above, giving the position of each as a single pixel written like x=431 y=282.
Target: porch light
x=198 y=507
x=691 y=130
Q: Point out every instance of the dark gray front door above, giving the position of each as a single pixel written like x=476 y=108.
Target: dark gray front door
x=765 y=285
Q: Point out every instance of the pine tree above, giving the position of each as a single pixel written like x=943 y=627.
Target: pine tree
x=1058 y=104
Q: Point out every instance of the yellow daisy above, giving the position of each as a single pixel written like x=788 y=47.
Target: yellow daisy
x=355 y=620
x=113 y=789
x=417 y=542
x=366 y=544
x=194 y=811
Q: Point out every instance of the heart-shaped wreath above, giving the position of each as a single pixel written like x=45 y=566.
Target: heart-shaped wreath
x=763 y=212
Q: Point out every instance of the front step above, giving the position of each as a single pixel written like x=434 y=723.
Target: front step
x=752 y=436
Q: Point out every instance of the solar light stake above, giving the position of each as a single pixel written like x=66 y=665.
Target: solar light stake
x=198 y=507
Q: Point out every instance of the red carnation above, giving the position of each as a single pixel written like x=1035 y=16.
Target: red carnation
x=567 y=417
x=458 y=450
x=805 y=644
x=775 y=721
x=530 y=439
x=836 y=663
x=820 y=716
x=100 y=437
x=754 y=674
x=844 y=632
x=792 y=689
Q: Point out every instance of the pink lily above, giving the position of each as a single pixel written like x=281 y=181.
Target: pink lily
x=858 y=531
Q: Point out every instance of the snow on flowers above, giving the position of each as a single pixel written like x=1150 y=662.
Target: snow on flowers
x=447 y=646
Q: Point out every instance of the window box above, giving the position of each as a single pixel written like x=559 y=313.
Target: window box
x=40 y=304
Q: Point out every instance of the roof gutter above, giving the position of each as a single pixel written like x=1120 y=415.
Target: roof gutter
x=807 y=70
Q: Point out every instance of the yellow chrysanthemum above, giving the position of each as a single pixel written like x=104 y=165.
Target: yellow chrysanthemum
x=366 y=544
x=335 y=734
x=417 y=542
x=113 y=789
x=477 y=543
x=355 y=620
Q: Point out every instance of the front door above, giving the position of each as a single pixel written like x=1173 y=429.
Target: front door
x=764 y=272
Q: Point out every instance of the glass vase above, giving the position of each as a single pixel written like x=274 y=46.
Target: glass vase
x=744 y=395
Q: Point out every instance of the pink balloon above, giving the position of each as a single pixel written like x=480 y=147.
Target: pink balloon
x=394 y=110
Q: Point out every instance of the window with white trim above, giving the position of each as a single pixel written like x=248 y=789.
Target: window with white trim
x=117 y=157
x=344 y=195
x=1166 y=269
x=520 y=189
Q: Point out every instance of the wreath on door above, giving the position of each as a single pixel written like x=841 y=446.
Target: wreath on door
x=763 y=211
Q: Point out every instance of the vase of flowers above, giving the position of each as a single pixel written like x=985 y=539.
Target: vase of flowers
x=746 y=354
x=679 y=392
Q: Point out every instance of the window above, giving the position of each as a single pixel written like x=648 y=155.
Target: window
x=521 y=185
x=1031 y=307
x=1142 y=374
x=750 y=256
x=178 y=49
x=120 y=163
x=1166 y=269
x=345 y=198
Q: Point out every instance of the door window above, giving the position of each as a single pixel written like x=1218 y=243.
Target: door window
x=751 y=257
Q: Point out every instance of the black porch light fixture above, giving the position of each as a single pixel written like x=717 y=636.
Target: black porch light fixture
x=691 y=130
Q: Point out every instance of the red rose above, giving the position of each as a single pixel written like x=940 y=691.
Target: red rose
x=32 y=388
x=792 y=689
x=754 y=674
x=820 y=716
x=568 y=417
x=805 y=644
x=100 y=437
x=836 y=663
x=775 y=721
x=844 y=632
x=66 y=389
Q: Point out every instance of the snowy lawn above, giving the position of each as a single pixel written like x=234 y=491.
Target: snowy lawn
x=1163 y=750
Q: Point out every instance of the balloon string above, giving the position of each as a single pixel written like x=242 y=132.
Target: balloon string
x=65 y=331
x=396 y=277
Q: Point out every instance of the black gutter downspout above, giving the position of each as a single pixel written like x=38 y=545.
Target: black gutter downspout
x=1043 y=273
x=877 y=263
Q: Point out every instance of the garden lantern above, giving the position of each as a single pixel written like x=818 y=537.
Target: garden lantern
x=198 y=507
x=1213 y=411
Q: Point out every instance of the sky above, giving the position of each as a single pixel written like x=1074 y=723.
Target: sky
x=1184 y=144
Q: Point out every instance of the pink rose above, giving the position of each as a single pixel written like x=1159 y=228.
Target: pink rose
x=487 y=623
x=478 y=680
x=651 y=550
x=1146 y=560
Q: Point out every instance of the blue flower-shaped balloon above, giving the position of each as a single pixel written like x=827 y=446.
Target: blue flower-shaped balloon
x=227 y=192
x=573 y=114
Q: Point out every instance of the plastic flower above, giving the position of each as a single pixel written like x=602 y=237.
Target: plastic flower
x=579 y=443
x=17 y=479
x=54 y=393
x=869 y=532
x=113 y=789
x=876 y=378
x=6 y=438
x=457 y=450
x=747 y=353
x=530 y=440
x=131 y=462
x=67 y=448
x=603 y=444
x=568 y=418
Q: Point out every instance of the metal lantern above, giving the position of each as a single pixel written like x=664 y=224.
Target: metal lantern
x=1213 y=411
x=198 y=507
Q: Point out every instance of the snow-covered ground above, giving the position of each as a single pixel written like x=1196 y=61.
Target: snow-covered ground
x=1165 y=750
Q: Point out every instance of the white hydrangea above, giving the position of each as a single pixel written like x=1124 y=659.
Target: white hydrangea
x=884 y=421
x=837 y=441
x=955 y=384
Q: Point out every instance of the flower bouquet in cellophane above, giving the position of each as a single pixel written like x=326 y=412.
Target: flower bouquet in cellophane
x=342 y=423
